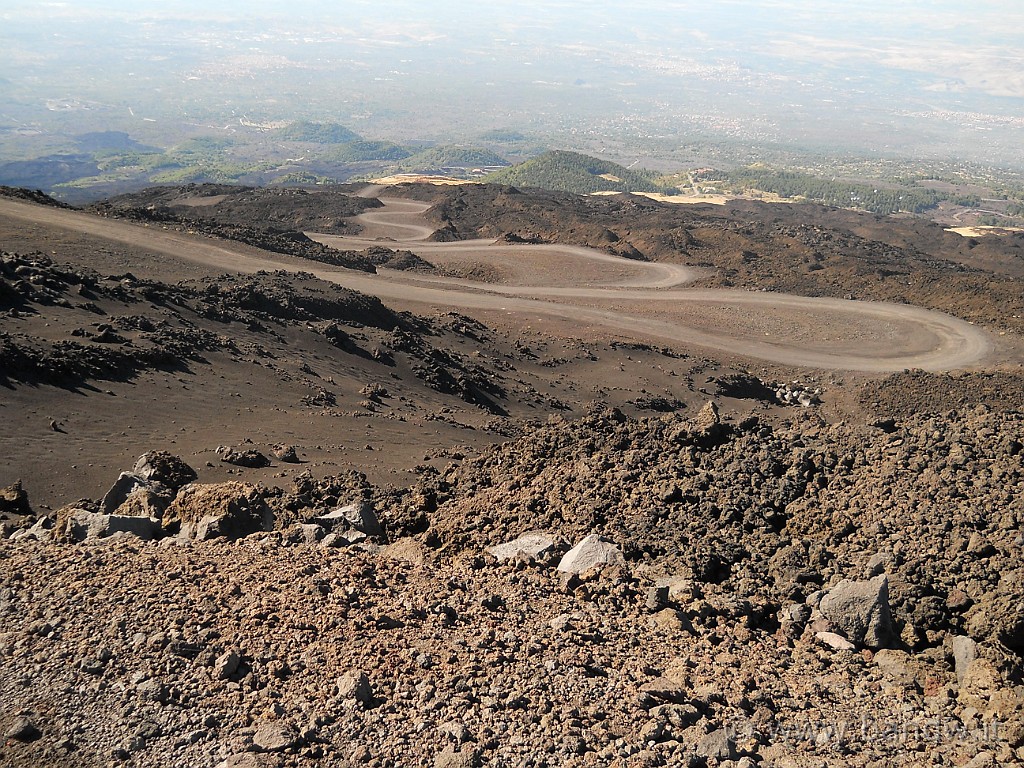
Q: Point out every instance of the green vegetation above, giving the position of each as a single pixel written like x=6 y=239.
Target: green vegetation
x=504 y=136
x=365 y=151
x=304 y=179
x=221 y=173
x=882 y=199
x=573 y=172
x=316 y=133
x=439 y=158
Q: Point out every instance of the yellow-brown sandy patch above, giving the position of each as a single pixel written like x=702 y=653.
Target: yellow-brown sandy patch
x=985 y=231
x=414 y=178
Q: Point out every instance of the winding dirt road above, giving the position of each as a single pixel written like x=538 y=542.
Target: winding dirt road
x=590 y=287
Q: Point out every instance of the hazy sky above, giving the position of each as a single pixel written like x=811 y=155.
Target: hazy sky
x=748 y=67
x=979 y=42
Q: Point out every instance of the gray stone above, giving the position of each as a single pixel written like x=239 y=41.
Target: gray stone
x=359 y=515
x=285 y=453
x=657 y=598
x=227 y=664
x=450 y=758
x=353 y=536
x=310 y=533
x=151 y=501
x=798 y=613
x=83 y=525
x=965 y=651
x=247 y=457
x=274 y=737
x=125 y=485
x=152 y=690
x=664 y=689
x=163 y=468
x=860 y=610
x=24 y=730
x=593 y=551
x=333 y=541
x=41 y=530
x=878 y=563
x=535 y=545
x=717 y=745
x=244 y=760
x=355 y=687
x=207 y=529
x=457 y=731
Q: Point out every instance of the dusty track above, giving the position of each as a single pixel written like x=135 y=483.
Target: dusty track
x=638 y=300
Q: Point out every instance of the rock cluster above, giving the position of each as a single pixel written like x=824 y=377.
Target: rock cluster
x=795 y=393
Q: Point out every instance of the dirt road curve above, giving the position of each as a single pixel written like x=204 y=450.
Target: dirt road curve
x=594 y=288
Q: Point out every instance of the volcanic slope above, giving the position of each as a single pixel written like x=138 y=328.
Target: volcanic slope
x=818 y=332
x=808 y=250
x=119 y=336
x=777 y=589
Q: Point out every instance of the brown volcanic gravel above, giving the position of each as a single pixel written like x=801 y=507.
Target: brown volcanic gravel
x=253 y=652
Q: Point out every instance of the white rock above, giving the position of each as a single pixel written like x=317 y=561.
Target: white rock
x=835 y=642
x=593 y=550
x=535 y=545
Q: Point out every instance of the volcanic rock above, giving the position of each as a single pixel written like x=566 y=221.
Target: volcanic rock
x=164 y=468
x=359 y=515
x=535 y=545
x=592 y=551
x=860 y=610
x=355 y=687
x=230 y=509
x=285 y=453
x=148 y=496
x=274 y=737
x=248 y=457
x=83 y=526
x=964 y=651
x=14 y=500
x=24 y=730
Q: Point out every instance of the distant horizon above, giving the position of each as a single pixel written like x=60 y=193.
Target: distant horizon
x=916 y=79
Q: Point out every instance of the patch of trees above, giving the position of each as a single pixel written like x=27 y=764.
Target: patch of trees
x=845 y=194
x=316 y=133
x=576 y=173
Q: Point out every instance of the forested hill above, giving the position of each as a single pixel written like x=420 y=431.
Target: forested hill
x=444 y=157
x=573 y=172
x=316 y=133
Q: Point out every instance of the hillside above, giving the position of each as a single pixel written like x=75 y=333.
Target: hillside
x=316 y=133
x=573 y=172
x=447 y=157
x=809 y=250
x=364 y=151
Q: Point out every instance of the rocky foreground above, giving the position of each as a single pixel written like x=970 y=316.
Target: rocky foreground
x=606 y=591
